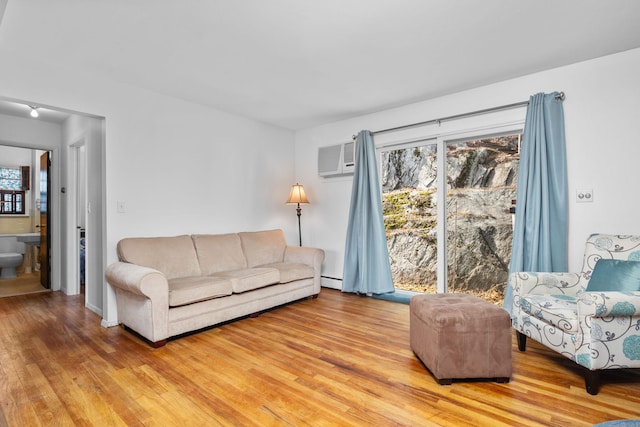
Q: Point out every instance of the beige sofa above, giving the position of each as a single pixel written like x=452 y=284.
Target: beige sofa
x=166 y=286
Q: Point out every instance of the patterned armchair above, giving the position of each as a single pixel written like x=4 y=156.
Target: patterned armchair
x=597 y=329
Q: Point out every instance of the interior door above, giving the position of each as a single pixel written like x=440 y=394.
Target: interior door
x=45 y=220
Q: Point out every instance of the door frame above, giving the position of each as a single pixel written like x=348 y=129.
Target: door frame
x=55 y=206
x=73 y=248
x=76 y=153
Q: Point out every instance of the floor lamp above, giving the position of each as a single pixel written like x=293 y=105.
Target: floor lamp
x=297 y=196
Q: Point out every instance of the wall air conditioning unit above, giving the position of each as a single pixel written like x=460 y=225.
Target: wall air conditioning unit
x=337 y=160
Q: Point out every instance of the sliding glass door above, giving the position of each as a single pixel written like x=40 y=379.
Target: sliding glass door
x=447 y=209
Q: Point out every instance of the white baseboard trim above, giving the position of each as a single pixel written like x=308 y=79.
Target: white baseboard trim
x=106 y=324
x=331 y=282
x=96 y=310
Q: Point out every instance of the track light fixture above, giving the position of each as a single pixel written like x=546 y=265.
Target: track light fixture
x=34 y=111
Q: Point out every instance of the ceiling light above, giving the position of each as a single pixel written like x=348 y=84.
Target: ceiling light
x=34 y=111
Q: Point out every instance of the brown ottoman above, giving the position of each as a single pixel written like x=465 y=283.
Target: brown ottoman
x=461 y=336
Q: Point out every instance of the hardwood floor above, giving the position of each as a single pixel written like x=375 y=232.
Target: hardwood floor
x=336 y=360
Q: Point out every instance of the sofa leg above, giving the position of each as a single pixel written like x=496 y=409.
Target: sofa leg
x=592 y=381
x=158 y=344
x=522 y=341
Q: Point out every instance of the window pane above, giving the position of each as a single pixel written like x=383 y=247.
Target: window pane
x=481 y=181
x=409 y=207
x=12 y=202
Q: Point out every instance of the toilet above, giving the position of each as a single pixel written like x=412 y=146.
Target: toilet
x=11 y=256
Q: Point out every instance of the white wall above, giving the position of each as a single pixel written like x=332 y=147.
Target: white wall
x=602 y=123
x=29 y=133
x=179 y=167
x=14 y=156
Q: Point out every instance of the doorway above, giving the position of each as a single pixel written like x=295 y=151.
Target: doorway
x=29 y=225
x=78 y=217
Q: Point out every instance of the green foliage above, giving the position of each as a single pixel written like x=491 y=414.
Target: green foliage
x=409 y=208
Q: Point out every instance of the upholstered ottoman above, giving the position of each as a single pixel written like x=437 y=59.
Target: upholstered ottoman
x=460 y=336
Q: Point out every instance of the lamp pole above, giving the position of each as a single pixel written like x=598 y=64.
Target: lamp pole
x=299 y=213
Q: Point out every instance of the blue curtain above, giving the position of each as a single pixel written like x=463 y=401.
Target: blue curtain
x=540 y=234
x=366 y=258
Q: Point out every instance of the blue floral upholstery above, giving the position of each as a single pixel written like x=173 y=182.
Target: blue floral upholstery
x=598 y=330
x=557 y=310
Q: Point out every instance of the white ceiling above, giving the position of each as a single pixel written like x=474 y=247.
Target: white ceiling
x=300 y=63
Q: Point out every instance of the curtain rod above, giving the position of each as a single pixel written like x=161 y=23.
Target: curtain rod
x=559 y=95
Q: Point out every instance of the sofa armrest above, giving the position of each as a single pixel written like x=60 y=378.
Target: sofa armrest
x=142 y=299
x=304 y=255
x=524 y=283
x=143 y=281
x=609 y=304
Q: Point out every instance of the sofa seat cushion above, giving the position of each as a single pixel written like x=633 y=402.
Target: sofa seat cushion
x=557 y=310
x=187 y=290
x=291 y=271
x=249 y=279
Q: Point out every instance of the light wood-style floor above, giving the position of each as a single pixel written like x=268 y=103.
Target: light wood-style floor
x=337 y=360
x=21 y=285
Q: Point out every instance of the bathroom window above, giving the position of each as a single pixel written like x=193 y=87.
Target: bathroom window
x=11 y=202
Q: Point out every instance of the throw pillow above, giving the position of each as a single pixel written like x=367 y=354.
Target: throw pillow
x=615 y=275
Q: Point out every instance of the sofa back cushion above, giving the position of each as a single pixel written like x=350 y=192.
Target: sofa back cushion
x=219 y=252
x=173 y=256
x=263 y=247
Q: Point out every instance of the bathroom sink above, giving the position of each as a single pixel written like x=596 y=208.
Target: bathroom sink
x=29 y=238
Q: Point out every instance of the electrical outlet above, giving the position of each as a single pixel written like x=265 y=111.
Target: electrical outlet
x=584 y=196
x=121 y=206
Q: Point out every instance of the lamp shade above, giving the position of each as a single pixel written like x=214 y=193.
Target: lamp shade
x=297 y=195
